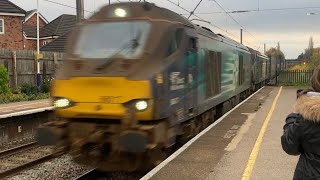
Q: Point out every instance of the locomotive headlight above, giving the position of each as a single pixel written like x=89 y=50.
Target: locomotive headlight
x=61 y=103
x=141 y=105
x=120 y=12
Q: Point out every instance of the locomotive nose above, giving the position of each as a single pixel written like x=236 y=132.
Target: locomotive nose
x=102 y=97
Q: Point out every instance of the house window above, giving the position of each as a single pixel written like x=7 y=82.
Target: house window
x=45 y=42
x=1 y=26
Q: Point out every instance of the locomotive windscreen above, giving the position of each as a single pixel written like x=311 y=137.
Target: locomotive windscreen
x=112 y=39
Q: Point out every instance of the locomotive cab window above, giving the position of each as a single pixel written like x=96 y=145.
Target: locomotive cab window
x=192 y=46
x=175 y=41
x=109 y=39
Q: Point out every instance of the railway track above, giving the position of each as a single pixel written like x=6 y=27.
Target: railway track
x=18 y=148
x=21 y=158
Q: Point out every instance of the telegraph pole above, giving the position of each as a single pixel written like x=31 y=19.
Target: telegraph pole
x=38 y=56
x=241 y=36
x=80 y=10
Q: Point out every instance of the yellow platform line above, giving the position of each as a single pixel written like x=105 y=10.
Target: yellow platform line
x=254 y=153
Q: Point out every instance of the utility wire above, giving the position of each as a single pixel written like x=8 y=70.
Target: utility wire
x=65 y=5
x=208 y=22
x=234 y=19
x=192 y=12
x=258 y=10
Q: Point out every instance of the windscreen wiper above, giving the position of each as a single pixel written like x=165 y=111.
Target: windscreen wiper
x=132 y=45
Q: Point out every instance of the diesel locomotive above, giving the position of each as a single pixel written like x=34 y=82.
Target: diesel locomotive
x=138 y=79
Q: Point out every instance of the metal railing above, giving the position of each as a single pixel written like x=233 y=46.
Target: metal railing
x=293 y=77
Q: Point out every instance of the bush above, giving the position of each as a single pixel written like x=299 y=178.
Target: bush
x=28 y=89
x=45 y=86
x=4 y=80
x=7 y=98
x=38 y=96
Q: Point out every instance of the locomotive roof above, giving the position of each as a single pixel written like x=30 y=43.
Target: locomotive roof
x=150 y=10
x=253 y=51
x=140 y=9
x=208 y=32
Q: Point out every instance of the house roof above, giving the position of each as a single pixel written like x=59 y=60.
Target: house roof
x=30 y=13
x=7 y=6
x=57 y=45
x=30 y=31
x=59 y=26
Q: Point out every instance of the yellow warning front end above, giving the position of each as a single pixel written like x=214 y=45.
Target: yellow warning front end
x=105 y=122
x=102 y=97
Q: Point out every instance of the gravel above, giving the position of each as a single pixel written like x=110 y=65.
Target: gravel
x=63 y=168
x=59 y=168
x=22 y=157
x=16 y=143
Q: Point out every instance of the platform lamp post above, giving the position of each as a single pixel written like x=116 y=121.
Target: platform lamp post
x=38 y=56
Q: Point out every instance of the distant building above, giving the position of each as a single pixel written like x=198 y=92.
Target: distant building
x=11 y=18
x=49 y=32
x=58 y=29
x=292 y=62
x=30 y=29
x=18 y=28
x=57 y=45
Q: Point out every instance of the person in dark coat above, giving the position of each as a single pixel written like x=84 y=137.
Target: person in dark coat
x=302 y=131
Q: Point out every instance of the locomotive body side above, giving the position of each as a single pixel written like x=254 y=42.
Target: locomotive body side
x=224 y=69
x=261 y=67
x=137 y=80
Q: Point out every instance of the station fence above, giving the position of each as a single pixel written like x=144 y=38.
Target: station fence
x=22 y=65
x=294 y=77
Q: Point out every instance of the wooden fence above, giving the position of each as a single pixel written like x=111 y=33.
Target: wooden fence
x=22 y=65
x=294 y=77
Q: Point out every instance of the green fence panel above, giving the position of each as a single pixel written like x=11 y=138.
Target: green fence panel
x=294 y=77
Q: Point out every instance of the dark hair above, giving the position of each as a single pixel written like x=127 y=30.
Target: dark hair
x=301 y=92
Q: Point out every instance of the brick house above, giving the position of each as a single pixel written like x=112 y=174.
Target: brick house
x=18 y=28
x=11 y=18
x=49 y=32
x=59 y=29
x=30 y=29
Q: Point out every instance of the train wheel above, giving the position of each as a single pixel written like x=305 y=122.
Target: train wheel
x=226 y=107
x=186 y=134
x=194 y=128
x=233 y=102
x=206 y=120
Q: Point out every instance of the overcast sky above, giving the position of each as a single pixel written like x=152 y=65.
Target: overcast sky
x=291 y=27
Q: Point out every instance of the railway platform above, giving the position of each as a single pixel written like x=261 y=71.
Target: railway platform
x=242 y=144
x=24 y=108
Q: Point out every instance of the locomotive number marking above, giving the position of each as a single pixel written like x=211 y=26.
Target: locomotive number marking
x=174 y=101
x=110 y=99
x=177 y=82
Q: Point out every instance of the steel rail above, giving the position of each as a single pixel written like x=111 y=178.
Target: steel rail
x=26 y=166
x=18 y=149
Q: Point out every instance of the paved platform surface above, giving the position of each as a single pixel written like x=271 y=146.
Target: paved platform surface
x=223 y=152
x=25 y=107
